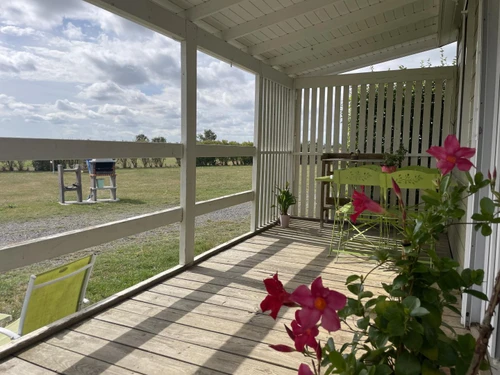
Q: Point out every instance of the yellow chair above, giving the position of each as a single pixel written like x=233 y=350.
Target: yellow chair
x=355 y=232
x=50 y=296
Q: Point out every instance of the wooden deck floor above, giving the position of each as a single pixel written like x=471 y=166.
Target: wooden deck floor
x=205 y=320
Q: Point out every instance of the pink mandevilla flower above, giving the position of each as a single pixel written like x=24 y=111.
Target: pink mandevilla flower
x=451 y=155
x=319 y=302
x=362 y=203
x=305 y=370
x=304 y=335
x=277 y=296
x=397 y=190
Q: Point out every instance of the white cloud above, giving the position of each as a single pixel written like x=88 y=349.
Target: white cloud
x=19 y=31
x=73 y=32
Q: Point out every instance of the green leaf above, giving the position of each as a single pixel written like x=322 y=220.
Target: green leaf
x=407 y=364
x=478 y=277
x=487 y=206
x=363 y=323
x=486 y=230
x=354 y=288
x=447 y=354
x=395 y=328
x=411 y=302
x=365 y=295
x=466 y=344
x=476 y=294
x=330 y=344
x=453 y=308
x=413 y=340
x=427 y=369
x=383 y=370
x=478 y=217
x=419 y=311
x=352 y=278
x=337 y=360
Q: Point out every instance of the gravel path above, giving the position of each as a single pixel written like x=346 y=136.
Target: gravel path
x=22 y=231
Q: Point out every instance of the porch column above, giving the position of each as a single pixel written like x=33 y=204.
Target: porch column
x=256 y=220
x=188 y=140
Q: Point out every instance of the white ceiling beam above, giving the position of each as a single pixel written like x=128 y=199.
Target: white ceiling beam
x=208 y=8
x=157 y=18
x=354 y=37
x=292 y=11
x=382 y=56
x=323 y=27
x=366 y=49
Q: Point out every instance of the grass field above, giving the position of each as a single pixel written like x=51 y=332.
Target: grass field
x=31 y=195
x=28 y=196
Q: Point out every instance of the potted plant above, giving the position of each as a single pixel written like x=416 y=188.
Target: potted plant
x=391 y=161
x=285 y=199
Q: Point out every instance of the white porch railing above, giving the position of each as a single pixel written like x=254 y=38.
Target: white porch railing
x=34 y=251
x=344 y=114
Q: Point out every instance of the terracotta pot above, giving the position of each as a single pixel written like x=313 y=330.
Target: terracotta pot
x=389 y=169
x=284 y=221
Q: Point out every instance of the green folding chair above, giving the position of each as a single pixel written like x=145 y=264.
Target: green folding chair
x=51 y=296
x=349 y=232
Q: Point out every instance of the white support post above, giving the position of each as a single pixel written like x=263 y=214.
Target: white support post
x=188 y=139
x=256 y=221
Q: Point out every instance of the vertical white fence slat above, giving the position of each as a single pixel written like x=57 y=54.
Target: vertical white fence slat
x=312 y=153
x=370 y=121
x=362 y=119
x=426 y=120
x=436 y=121
x=304 y=153
x=354 y=118
x=329 y=114
x=296 y=148
x=321 y=133
x=389 y=121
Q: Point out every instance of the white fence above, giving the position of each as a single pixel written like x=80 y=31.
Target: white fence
x=345 y=113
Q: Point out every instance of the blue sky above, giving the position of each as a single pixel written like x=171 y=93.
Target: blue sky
x=71 y=70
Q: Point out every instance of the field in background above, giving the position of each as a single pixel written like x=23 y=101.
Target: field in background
x=26 y=196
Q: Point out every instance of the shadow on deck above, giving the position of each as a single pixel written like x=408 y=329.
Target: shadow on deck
x=205 y=320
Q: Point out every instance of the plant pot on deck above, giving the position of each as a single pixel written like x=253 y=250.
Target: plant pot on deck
x=389 y=168
x=284 y=221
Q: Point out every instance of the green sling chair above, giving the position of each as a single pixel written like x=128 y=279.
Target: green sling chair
x=409 y=178
x=51 y=296
x=355 y=233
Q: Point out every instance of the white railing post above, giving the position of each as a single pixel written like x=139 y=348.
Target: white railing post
x=256 y=221
x=188 y=140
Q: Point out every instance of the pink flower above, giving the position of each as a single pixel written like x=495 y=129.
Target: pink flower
x=452 y=154
x=397 y=190
x=319 y=302
x=362 y=203
x=304 y=335
x=305 y=370
x=277 y=296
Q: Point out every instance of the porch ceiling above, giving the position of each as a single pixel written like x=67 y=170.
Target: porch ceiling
x=313 y=37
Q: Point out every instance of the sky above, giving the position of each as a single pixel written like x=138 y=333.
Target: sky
x=71 y=70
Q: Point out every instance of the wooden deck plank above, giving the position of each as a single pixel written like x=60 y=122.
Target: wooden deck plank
x=207 y=319
x=68 y=362
x=125 y=356
x=15 y=366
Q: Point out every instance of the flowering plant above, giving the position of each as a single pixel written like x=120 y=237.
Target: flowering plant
x=401 y=331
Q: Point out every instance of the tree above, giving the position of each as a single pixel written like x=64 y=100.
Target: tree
x=208 y=135
x=146 y=162
x=158 y=162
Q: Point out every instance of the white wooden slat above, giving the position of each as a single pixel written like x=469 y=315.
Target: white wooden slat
x=208 y=8
x=345 y=119
x=52 y=149
x=304 y=153
x=370 y=120
x=321 y=134
x=354 y=118
x=220 y=203
x=336 y=119
x=188 y=138
x=448 y=107
x=380 y=118
x=312 y=153
x=377 y=77
x=389 y=121
x=279 y=138
x=265 y=143
x=329 y=120
x=296 y=147
x=270 y=185
x=436 y=127
x=397 y=117
x=407 y=117
x=362 y=119
x=272 y=146
x=426 y=120
x=415 y=134
x=34 y=251
x=256 y=220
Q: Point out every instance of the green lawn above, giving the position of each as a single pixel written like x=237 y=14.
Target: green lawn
x=28 y=196
x=32 y=195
